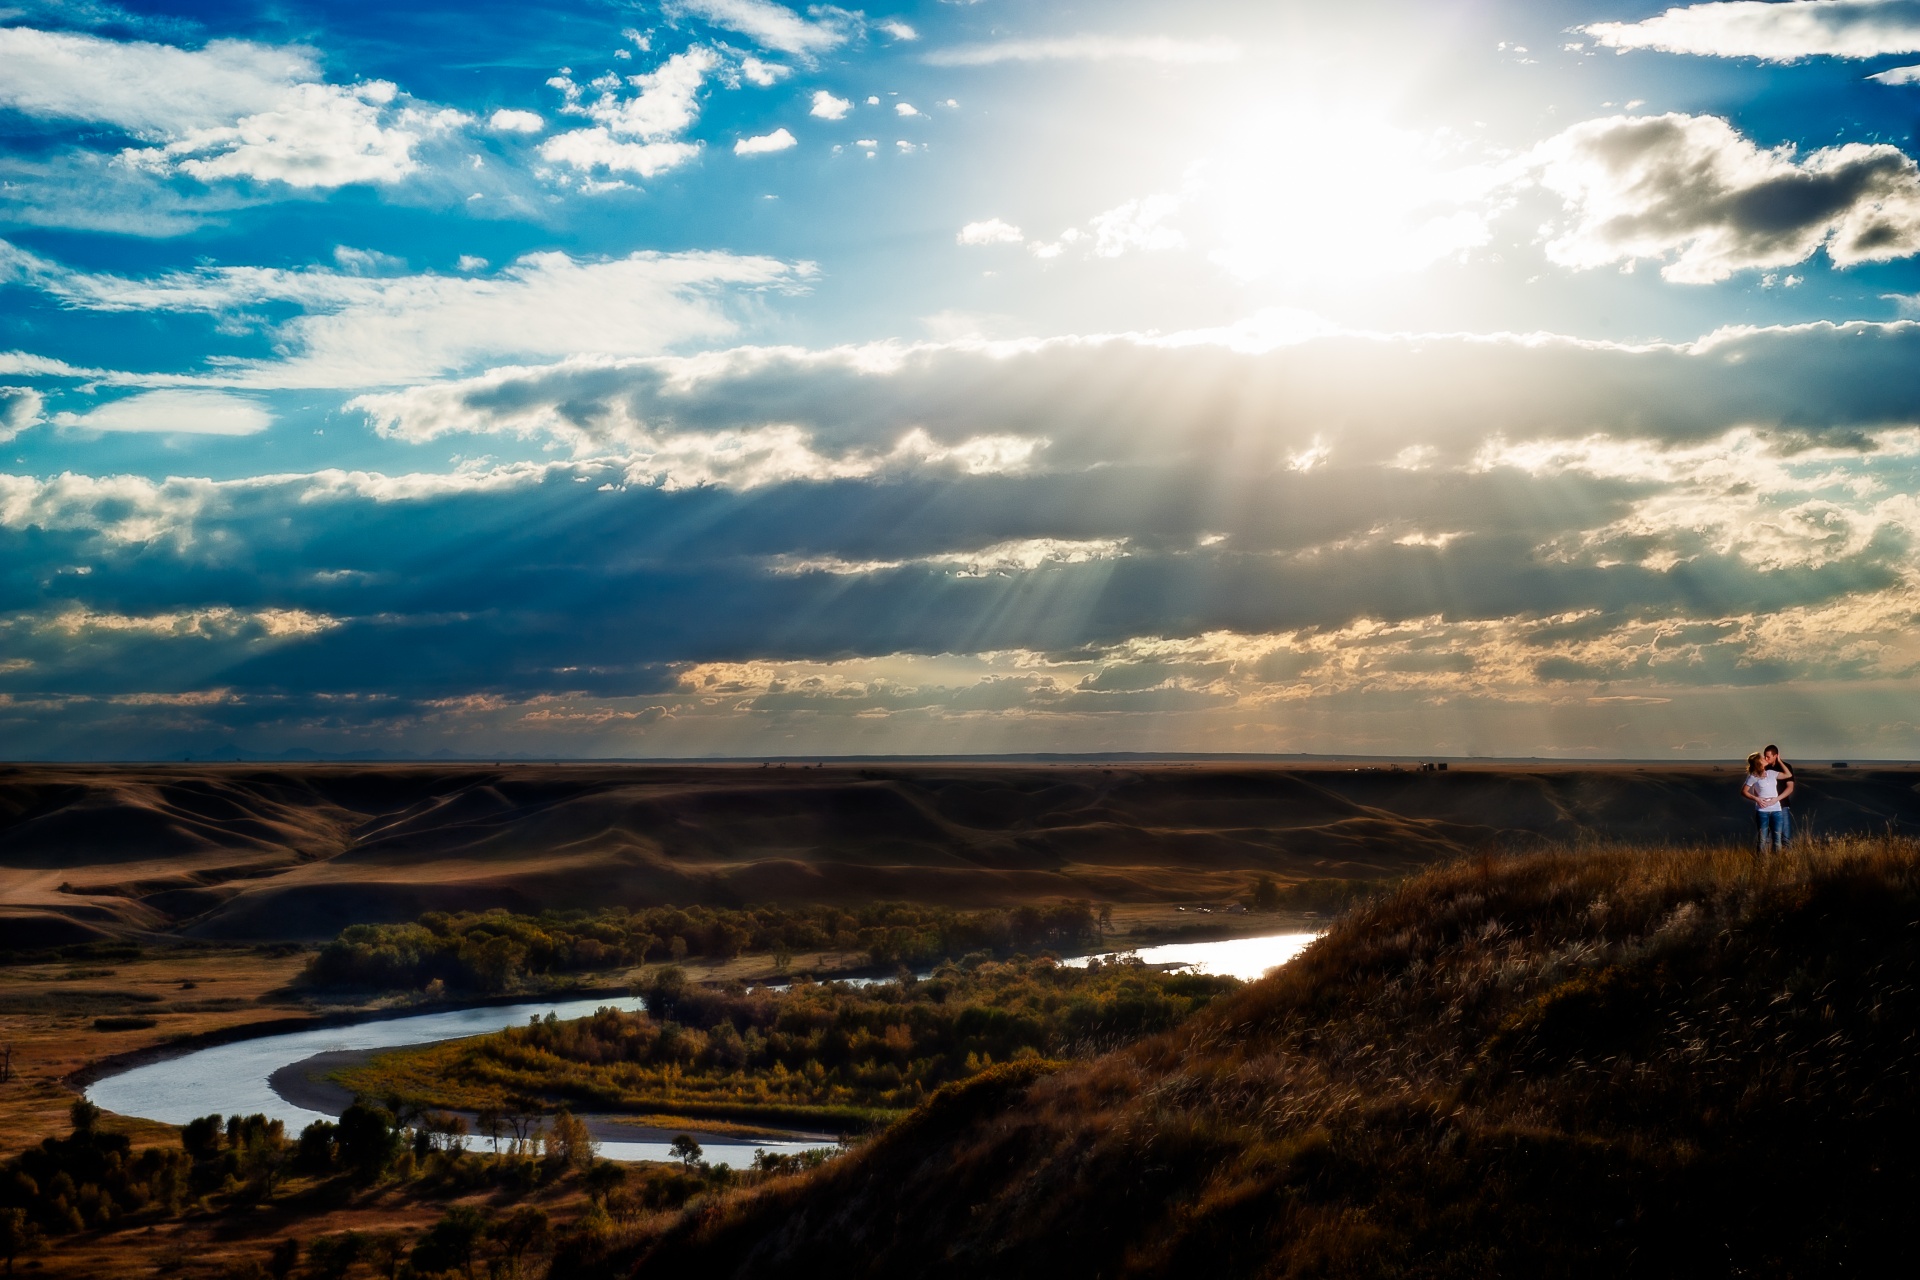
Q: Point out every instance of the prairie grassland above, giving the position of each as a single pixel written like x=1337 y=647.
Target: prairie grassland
x=1611 y=1060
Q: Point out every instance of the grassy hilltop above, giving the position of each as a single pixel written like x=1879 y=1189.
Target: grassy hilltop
x=1607 y=1062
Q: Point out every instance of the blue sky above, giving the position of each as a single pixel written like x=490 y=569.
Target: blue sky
x=722 y=377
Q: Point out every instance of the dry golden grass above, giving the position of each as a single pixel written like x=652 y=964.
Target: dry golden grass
x=1600 y=1061
x=47 y=1015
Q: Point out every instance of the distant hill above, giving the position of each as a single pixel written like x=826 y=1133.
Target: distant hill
x=298 y=851
x=1608 y=1063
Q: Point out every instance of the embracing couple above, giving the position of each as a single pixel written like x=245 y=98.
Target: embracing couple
x=1770 y=788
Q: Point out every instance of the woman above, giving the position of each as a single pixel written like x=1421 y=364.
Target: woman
x=1763 y=789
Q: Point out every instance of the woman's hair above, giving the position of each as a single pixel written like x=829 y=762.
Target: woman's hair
x=1753 y=763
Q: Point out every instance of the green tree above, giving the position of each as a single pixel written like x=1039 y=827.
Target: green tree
x=315 y=1153
x=85 y=1116
x=569 y=1145
x=201 y=1137
x=385 y=1253
x=686 y=1150
x=331 y=1257
x=450 y=1242
x=284 y=1258
x=602 y=1179
x=491 y=1124
x=524 y=1229
x=17 y=1235
x=262 y=1162
x=369 y=1140
x=1266 y=895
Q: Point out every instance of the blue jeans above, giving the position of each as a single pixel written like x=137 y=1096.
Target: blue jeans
x=1776 y=829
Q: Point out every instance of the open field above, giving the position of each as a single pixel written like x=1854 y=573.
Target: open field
x=61 y=1018
x=262 y=853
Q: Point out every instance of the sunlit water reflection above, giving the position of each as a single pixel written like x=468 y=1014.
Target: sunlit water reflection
x=1243 y=958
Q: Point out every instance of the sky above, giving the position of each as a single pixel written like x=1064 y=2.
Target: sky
x=725 y=378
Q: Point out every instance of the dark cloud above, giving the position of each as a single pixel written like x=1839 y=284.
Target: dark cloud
x=1695 y=188
x=1358 y=513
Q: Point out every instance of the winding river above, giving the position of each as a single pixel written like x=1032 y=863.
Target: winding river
x=235 y=1078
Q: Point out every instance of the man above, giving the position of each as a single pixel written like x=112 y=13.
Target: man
x=1770 y=786
x=1770 y=759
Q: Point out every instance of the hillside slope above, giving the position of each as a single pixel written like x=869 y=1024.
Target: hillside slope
x=1597 y=1064
x=252 y=852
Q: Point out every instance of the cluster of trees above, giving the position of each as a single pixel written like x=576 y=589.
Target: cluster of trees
x=499 y=951
x=92 y=1179
x=1320 y=896
x=832 y=1053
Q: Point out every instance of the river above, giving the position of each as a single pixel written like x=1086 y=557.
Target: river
x=235 y=1078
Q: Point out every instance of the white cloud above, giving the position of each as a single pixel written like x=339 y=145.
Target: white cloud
x=1301 y=394
x=828 y=107
x=321 y=136
x=1088 y=48
x=359 y=330
x=207 y=413
x=1694 y=188
x=1018 y=556
x=594 y=148
x=778 y=140
x=664 y=455
x=20 y=408
x=770 y=25
x=1898 y=75
x=367 y=262
x=234 y=109
x=153 y=91
x=471 y=262
x=1773 y=32
x=589 y=149
x=507 y=120
x=897 y=29
x=1137 y=225
x=666 y=106
x=221 y=622
x=992 y=231
x=763 y=73
x=123 y=509
x=905 y=109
